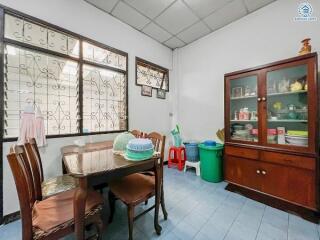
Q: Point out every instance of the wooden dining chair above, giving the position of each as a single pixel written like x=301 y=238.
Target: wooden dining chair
x=137 y=133
x=53 y=217
x=139 y=187
x=50 y=186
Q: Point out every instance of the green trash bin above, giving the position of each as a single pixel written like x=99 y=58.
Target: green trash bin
x=211 y=162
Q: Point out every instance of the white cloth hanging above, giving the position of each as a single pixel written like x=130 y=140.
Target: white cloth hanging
x=27 y=126
x=40 y=129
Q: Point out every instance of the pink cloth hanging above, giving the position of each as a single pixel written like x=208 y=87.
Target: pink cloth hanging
x=27 y=127
x=41 y=132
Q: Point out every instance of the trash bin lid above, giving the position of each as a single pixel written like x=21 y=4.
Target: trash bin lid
x=191 y=143
x=209 y=143
x=218 y=146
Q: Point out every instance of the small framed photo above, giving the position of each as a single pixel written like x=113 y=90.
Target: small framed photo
x=237 y=92
x=146 y=91
x=161 y=93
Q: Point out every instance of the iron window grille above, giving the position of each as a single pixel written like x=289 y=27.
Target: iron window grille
x=80 y=85
x=152 y=75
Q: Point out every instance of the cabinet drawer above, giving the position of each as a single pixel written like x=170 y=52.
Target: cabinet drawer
x=242 y=172
x=242 y=152
x=288 y=160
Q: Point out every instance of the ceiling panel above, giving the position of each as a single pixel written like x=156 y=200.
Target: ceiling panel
x=156 y=32
x=194 y=32
x=150 y=8
x=256 y=4
x=204 y=7
x=130 y=16
x=229 y=13
x=103 y=4
x=176 y=23
x=174 y=43
x=177 y=17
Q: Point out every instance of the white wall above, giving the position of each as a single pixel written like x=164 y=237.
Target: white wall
x=267 y=35
x=144 y=113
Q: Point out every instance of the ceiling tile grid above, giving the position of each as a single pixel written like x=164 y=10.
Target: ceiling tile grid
x=176 y=23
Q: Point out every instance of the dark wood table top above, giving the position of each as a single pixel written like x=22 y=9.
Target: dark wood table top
x=98 y=162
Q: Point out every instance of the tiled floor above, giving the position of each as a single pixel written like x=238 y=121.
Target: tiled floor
x=200 y=210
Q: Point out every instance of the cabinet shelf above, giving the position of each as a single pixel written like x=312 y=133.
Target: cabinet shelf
x=286 y=93
x=288 y=120
x=245 y=97
x=243 y=120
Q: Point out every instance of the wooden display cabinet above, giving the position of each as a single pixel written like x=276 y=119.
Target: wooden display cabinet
x=272 y=133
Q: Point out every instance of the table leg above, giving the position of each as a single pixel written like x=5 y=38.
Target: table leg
x=79 y=208
x=157 y=199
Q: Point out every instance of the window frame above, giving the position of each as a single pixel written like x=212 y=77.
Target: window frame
x=152 y=66
x=3 y=41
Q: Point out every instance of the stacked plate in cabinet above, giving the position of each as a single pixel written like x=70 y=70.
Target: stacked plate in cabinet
x=299 y=138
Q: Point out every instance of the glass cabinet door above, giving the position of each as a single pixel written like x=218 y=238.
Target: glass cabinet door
x=287 y=106
x=244 y=109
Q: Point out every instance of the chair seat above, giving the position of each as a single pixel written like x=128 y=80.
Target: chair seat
x=134 y=188
x=57 y=185
x=56 y=212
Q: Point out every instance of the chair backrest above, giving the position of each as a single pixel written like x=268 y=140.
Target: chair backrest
x=21 y=171
x=137 y=133
x=36 y=167
x=159 y=142
x=33 y=149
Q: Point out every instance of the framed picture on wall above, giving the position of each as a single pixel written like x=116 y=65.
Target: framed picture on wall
x=146 y=91
x=161 y=93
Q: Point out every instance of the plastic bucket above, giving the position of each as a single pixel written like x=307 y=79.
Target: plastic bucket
x=211 y=162
x=192 y=151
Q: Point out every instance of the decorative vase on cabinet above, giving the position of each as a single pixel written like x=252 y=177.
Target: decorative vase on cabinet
x=273 y=156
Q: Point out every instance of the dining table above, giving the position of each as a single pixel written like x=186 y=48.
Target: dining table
x=97 y=164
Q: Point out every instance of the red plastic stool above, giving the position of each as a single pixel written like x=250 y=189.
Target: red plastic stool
x=177 y=155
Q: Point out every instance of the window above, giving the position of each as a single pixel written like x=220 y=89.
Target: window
x=104 y=100
x=152 y=75
x=51 y=83
x=78 y=92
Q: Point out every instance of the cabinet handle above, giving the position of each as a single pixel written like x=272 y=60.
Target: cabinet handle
x=263 y=99
x=258 y=171
x=263 y=172
x=259 y=99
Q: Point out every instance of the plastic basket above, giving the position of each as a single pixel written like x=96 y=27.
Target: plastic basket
x=192 y=151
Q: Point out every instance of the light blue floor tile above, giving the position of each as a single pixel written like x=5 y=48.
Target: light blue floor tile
x=241 y=232
x=185 y=231
x=201 y=236
x=269 y=231
x=300 y=229
x=251 y=221
x=213 y=232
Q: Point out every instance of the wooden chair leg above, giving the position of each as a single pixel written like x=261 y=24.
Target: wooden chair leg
x=99 y=227
x=163 y=206
x=112 y=204
x=130 y=220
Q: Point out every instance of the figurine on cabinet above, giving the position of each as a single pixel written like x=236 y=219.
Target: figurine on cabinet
x=306 y=47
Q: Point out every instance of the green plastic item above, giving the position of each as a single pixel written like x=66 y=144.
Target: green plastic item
x=121 y=141
x=177 y=141
x=139 y=155
x=211 y=162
